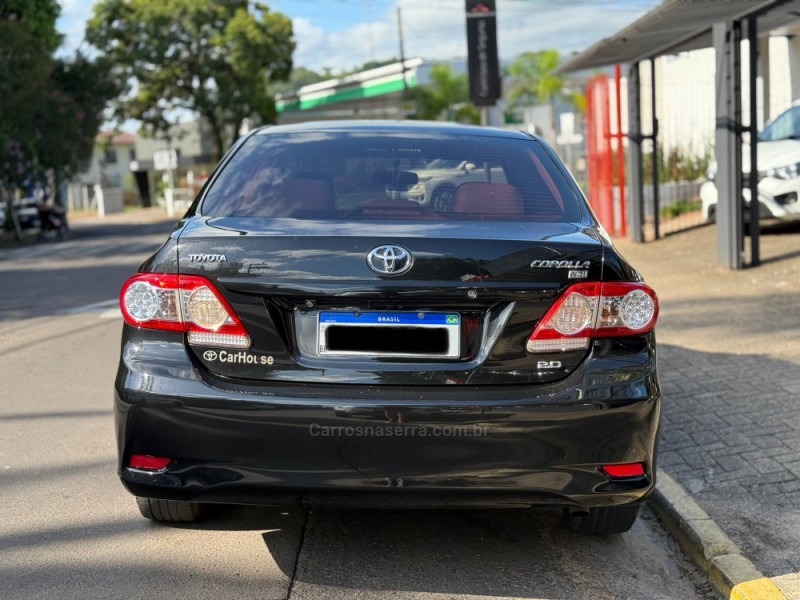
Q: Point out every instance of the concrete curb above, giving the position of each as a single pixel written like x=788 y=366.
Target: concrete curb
x=731 y=574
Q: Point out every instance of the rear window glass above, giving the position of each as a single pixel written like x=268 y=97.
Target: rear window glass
x=335 y=175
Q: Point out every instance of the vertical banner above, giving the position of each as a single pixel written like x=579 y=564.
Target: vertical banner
x=484 y=67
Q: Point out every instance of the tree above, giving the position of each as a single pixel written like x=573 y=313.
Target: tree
x=370 y=64
x=37 y=17
x=52 y=108
x=71 y=113
x=299 y=77
x=24 y=76
x=27 y=38
x=447 y=97
x=532 y=81
x=215 y=58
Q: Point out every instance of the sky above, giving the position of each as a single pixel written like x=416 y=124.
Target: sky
x=343 y=34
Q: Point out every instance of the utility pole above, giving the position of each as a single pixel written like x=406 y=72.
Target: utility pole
x=402 y=60
x=371 y=33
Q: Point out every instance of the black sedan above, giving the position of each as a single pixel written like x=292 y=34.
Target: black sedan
x=310 y=333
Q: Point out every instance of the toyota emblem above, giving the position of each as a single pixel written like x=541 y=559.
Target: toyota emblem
x=389 y=260
x=210 y=355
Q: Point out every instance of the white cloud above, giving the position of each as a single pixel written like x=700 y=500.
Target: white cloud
x=72 y=22
x=436 y=30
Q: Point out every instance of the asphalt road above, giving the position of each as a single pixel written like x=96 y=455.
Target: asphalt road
x=69 y=530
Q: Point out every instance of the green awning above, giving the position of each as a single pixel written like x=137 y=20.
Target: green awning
x=346 y=94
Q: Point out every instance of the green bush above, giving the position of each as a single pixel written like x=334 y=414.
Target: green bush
x=676 y=165
x=679 y=208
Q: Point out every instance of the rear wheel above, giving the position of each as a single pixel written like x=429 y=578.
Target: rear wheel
x=169 y=511
x=606 y=520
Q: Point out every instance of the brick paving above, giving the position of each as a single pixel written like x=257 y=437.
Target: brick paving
x=729 y=360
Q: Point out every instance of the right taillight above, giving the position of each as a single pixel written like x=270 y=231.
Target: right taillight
x=595 y=310
x=186 y=303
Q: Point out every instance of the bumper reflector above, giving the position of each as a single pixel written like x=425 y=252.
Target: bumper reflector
x=226 y=340
x=623 y=471
x=148 y=463
x=558 y=345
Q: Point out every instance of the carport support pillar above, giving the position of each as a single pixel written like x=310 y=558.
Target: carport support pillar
x=654 y=163
x=794 y=65
x=763 y=72
x=727 y=38
x=635 y=179
x=755 y=206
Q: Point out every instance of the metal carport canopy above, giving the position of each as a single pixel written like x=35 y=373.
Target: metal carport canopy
x=675 y=26
x=681 y=25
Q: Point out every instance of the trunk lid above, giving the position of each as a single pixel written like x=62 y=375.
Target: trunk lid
x=493 y=280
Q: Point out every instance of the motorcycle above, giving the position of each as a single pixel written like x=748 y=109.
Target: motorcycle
x=53 y=220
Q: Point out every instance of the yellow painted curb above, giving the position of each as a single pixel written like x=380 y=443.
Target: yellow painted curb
x=708 y=545
x=758 y=589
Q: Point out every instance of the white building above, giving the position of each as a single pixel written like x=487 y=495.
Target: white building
x=111 y=161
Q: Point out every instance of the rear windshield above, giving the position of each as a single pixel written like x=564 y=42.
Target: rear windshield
x=335 y=175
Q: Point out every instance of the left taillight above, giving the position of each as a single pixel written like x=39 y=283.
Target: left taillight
x=595 y=310
x=184 y=303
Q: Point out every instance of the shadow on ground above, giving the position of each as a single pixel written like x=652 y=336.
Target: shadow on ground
x=51 y=278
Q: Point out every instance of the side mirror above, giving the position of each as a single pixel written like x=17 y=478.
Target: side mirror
x=469 y=167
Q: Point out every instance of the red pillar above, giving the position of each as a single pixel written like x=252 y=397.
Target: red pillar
x=623 y=228
x=599 y=153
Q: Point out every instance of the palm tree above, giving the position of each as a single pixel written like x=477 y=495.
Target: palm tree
x=532 y=79
x=446 y=97
x=534 y=84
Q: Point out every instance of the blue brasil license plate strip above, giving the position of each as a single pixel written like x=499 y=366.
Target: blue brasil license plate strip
x=389 y=318
x=448 y=322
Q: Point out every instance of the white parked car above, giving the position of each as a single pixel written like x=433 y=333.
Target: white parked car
x=778 y=169
x=439 y=179
x=27 y=210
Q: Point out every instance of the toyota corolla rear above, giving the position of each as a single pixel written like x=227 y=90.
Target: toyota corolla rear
x=309 y=335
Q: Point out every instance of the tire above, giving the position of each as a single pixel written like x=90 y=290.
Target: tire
x=442 y=198
x=607 y=520
x=169 y=511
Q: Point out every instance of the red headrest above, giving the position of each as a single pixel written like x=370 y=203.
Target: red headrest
x=308 y=194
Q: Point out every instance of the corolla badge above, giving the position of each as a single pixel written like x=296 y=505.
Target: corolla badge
x=389 y=260
x=561 y=264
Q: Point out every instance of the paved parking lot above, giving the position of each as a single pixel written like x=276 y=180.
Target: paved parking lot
x=729 y=360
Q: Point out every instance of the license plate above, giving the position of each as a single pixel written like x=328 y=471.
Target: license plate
x=389 y=334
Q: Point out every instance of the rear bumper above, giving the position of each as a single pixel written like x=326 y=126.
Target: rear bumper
x=389 y=446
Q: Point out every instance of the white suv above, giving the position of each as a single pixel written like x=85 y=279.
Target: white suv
x=778 y=169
